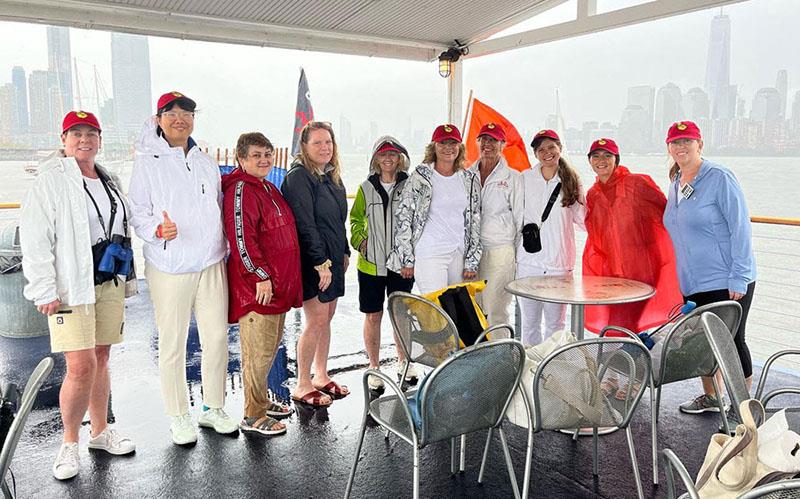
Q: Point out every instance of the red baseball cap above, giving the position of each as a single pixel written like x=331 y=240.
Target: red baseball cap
x=446 y=132
x=387 y=146
x=75 y=118
x=605 y=145
x=171 y=96
x=683 y=130
x=544 y=134
x=494 y=131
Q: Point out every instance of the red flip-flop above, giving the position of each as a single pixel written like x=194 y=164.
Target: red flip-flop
x=313 y=398
x=334 y=389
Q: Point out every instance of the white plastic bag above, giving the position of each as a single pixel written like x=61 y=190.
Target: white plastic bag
x=778 y=446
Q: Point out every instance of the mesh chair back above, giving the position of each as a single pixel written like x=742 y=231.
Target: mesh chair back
x=578 y=385
x=471 y=390
x=426 y=333
x=684 y=352
x=721 y=341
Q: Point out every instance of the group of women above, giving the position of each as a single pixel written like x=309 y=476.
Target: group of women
x=442 y=224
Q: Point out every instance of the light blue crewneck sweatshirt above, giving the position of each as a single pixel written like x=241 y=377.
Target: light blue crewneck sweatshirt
x=711 y=232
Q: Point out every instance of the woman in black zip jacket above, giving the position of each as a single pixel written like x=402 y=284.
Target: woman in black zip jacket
x=314 y=190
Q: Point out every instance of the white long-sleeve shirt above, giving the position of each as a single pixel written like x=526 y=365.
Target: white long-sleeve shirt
x=558 y=231
x=502 y=205
x=187 y=187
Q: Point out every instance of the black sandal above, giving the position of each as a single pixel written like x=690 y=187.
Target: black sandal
x=264 y=425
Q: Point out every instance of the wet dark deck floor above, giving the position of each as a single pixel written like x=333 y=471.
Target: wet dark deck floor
x=314 y=457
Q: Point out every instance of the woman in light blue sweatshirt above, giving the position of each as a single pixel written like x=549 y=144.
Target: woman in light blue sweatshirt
x=708 y=221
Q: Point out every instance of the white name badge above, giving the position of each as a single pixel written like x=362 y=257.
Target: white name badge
x=686 y=191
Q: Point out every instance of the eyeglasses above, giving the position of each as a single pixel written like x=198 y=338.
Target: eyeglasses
x=258 y=156
x=171 y=115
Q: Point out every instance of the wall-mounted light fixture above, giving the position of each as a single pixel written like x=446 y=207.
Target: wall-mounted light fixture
x=448 y=57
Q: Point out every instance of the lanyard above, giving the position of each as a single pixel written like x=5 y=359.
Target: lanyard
x=113 y=203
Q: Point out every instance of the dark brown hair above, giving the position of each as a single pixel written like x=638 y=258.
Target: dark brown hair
x=570 y=183
x=251 y=139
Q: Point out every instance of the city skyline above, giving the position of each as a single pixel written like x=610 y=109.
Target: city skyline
x=644 y=107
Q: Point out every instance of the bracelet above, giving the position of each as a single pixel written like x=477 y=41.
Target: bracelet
x=323 y=266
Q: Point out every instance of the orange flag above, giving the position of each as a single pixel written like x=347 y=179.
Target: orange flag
x=514 y=152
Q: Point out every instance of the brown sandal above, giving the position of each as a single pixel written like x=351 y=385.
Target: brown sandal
x=313 y=398
x=264 y=425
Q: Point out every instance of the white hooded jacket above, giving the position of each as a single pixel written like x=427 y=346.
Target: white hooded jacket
x=187 y=187
x=54 y=236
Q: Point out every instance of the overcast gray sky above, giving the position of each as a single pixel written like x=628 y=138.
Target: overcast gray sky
x=243 y=88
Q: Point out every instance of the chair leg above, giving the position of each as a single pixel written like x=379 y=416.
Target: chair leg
x=509 y=464
x=575 y=435
x=654 y=433
x=721 y=405
x=485 y=454
x=526 y=480
x=634 y=463
x=355 y=461
x=453 y=456
x=463 y=461
x=416 y=473
x=594 y=451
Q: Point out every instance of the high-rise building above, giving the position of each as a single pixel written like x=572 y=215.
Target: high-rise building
x=41 y=87
x=130 y=75
x=796 y=113
x=8 y=111
x=718 y=69
x=345 y=133
x=766 y=106
x=635 y=129
x=643 y=96
x=59 y=62
x=782 y=85
x=669 y=108
x=18 y=81
x=695 y=104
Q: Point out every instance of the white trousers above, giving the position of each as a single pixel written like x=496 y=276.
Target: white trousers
x=498 y=269
x=174 y=296
x=432 y=273
x=555 y=314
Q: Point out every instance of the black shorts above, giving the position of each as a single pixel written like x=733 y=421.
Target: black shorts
x=373 y=288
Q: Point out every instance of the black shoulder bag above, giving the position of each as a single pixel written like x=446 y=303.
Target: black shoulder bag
x=531 y=238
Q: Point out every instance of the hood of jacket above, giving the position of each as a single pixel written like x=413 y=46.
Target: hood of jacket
x=151 y=143
x=230 y=180
x=384 y=139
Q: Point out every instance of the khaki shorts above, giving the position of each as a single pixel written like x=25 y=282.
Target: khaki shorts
x=78 y=327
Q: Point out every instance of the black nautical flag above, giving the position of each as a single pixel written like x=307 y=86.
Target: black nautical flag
x=303 y=112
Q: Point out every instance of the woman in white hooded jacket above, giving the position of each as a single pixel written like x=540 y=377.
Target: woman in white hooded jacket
x=176 y=197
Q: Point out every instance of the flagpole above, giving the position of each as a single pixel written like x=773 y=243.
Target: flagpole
x=467 y=114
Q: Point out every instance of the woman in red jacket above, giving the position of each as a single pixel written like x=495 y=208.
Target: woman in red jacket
x=263 y=274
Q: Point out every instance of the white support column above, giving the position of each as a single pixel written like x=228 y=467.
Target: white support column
x=455 y=113
x=587 y=8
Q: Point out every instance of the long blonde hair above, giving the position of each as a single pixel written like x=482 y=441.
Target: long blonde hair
x=458 y=164
x=336 y=174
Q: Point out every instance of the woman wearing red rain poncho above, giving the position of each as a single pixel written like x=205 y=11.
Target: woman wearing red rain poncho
x=627 y=239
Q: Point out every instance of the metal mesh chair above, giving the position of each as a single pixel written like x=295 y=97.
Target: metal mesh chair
x=467 y=392
x=26 y=404
x=721 y=341
x=762 y=381
x=426 y=333
x=568 y=394
x=783 y=489
x=683 y=352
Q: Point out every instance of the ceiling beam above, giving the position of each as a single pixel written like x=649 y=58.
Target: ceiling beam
x=118 y=18
x=586 y=23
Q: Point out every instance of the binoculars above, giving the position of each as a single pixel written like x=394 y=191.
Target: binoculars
x=117 y=257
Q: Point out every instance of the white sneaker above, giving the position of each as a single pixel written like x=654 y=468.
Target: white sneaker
x=110 y=441
x=183 y=430
x=67 y=463
x=412 y=373
x=375 y=383
x=217 y=419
